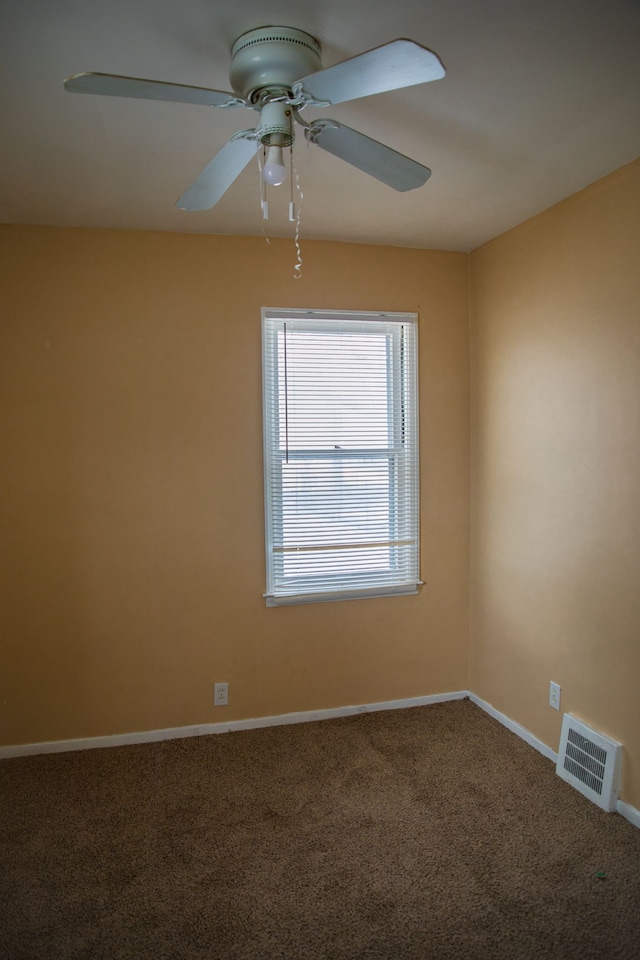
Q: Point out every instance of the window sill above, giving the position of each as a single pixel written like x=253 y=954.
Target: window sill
x=406 y=590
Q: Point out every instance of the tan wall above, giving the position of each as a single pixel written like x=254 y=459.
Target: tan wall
x=131 y=503
x=556 y=467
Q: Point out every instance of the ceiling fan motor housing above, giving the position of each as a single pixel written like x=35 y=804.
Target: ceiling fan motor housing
x=272 y=57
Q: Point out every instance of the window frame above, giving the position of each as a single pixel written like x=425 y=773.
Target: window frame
x=403 y=449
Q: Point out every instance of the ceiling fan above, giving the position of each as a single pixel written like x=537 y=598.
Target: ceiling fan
x=278 y=72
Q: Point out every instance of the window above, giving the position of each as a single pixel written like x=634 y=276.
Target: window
x=341 y=455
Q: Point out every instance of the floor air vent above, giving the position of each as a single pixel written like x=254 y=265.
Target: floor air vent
x=590 y=762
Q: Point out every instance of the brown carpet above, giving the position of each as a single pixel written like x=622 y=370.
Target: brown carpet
x=408 y=835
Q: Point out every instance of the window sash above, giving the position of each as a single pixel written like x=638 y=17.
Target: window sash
x=341 y=519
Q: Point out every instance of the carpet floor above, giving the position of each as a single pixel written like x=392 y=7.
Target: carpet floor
x=407 y=835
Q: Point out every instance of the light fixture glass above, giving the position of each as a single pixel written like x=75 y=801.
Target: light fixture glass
x=274 y=171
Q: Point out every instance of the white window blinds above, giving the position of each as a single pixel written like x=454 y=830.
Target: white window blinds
x=341 y=455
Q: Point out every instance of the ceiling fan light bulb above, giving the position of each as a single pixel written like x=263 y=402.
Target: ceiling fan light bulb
x=274 y=171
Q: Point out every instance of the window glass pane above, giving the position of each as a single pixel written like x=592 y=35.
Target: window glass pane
x=333 y=390
x=337 y=500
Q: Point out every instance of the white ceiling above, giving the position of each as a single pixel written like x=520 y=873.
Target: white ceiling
x=540 y=99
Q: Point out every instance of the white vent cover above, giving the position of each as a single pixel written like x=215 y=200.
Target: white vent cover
x=590 y=762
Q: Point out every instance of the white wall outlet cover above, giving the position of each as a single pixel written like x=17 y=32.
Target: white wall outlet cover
x=554 y=695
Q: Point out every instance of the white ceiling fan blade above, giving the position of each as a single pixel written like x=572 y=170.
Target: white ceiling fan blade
x=401 y=63
x=108 y=85
x=368 y=155
x=219 y=174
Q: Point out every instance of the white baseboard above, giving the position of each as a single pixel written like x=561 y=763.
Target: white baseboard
x=629 y=813
x=515 y=728
x=624 y=809
x=229 y=726
x=308 y=716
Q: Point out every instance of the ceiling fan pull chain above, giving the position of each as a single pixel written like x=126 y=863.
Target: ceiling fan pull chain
x=297 y=269
x=263 y=186
x=292 y=206
x=264 y=206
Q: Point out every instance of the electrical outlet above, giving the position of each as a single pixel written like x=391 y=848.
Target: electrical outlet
x=220 y=694
x=554 y=695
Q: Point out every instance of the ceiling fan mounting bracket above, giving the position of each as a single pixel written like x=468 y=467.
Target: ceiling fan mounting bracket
x=272 y=58
x=313 y=131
